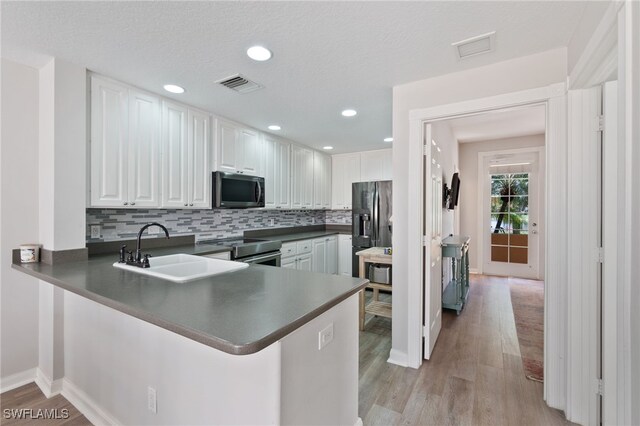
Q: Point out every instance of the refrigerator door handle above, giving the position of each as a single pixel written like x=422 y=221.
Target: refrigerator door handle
x=376 y=217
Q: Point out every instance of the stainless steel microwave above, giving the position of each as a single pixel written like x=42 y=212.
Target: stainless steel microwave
x=237 y=191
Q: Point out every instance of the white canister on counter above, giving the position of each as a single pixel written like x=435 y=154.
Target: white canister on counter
x=30 y=253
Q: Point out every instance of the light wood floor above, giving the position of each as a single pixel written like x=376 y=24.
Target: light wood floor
x=31 y=397
x=474 y=376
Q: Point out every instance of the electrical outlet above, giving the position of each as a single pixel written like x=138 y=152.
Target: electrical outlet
x=95 y=231
x=325 y=336
x=313 y=220
x=152 y=402
x=272 y=222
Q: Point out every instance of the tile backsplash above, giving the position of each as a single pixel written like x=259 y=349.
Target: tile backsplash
x=116 y=224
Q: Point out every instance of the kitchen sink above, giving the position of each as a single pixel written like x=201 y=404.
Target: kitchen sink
x=181 y=268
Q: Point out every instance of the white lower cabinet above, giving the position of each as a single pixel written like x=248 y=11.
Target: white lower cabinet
x=344 y=255
x=325 y=255
x=305 y=262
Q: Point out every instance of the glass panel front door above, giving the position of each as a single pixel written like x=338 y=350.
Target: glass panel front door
x=509 y=221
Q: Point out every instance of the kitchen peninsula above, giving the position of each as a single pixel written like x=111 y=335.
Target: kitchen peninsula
x=262 y=345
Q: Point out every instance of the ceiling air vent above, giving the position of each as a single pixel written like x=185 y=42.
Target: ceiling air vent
x=475 y=45
x=239 y=83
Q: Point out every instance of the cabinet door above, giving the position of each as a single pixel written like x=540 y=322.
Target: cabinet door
x=199 y=181
x=344 y=255
x=289 y=262
x=332 y=255
x=175 y=156
x=297 y=184
x=270 y=168
x=109 y=145
x=305 y=262
x=375 y=165
x=283 y=175
x=250 y=153
x=321 y=181
x=319 y=255
x=346 y=170
x=227 y=147
x=307 y=177
x=144 y=143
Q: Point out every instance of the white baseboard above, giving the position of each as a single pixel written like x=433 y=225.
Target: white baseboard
x=398 y=358
x=87 y=406
x=358 y=422
x=473 y=271
x=48 y=387
x=16 y=380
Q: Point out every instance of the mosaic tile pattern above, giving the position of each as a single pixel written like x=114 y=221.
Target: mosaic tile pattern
x=206 y=224
x=338 y=217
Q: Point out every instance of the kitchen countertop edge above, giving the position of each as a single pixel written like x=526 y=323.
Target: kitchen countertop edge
x=206 y=339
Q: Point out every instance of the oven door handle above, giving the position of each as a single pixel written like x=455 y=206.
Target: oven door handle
x=256 y=259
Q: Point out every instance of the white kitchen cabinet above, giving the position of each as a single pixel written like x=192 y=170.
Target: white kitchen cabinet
x=375 y=165
x=289 y=262
x=321 y=181
x=325 y=254
x=304 y=262
x=345 y=255
x=301 y=178
x=185 y=167
x=124 y=146
x=199 y=142
x=276 y=168
x=345 y=171
x=239 y=149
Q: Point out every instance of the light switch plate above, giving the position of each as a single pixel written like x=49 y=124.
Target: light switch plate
x=325 y=336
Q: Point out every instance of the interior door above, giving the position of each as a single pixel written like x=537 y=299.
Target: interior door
x=432 y=237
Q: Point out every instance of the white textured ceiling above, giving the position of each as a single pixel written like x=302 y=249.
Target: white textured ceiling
x=499 y=124
x=327 y=56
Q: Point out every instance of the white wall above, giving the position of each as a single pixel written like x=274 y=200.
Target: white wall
x=19 y=217
x=449 y=160
x=523 y=73
x=469 y=188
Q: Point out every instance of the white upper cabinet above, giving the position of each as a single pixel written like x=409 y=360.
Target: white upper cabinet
x=125 y=140
x=301 y=178
x=144 y=149
x=199 y=181
x=345 y=171
x=186 y=180
x=276 y=168
x=321 y=181
x=375 y=165
x=239 y=149
x=175 y=188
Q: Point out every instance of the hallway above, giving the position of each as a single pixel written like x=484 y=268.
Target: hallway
x=475 y=375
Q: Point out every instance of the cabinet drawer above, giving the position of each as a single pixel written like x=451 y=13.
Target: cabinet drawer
x=288 y=249
x=304 y=247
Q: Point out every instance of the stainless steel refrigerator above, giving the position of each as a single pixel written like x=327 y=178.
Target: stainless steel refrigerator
x=371 y=204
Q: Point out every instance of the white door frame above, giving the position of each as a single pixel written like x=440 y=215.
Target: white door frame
x=554 y=97
x=481 y=245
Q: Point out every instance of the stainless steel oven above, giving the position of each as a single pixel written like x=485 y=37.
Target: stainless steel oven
x=250 y=250
x=270 y=259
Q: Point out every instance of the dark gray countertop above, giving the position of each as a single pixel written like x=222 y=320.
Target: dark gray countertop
x=239 y=313
x=298 y=236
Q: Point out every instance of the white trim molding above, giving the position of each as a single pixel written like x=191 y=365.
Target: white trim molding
x=18 y=379
x=554 y=97
x=87 y=406
x=48 y=387
x=398 y=358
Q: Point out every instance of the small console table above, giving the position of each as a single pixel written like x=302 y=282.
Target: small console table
x=456 y=291
x=375 y=307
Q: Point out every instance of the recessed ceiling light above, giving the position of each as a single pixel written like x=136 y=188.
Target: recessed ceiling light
x=173 y=88
x=259 y=53
x=349 y=112
x=328 y=148
x=274 y=127
x=388 y=139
